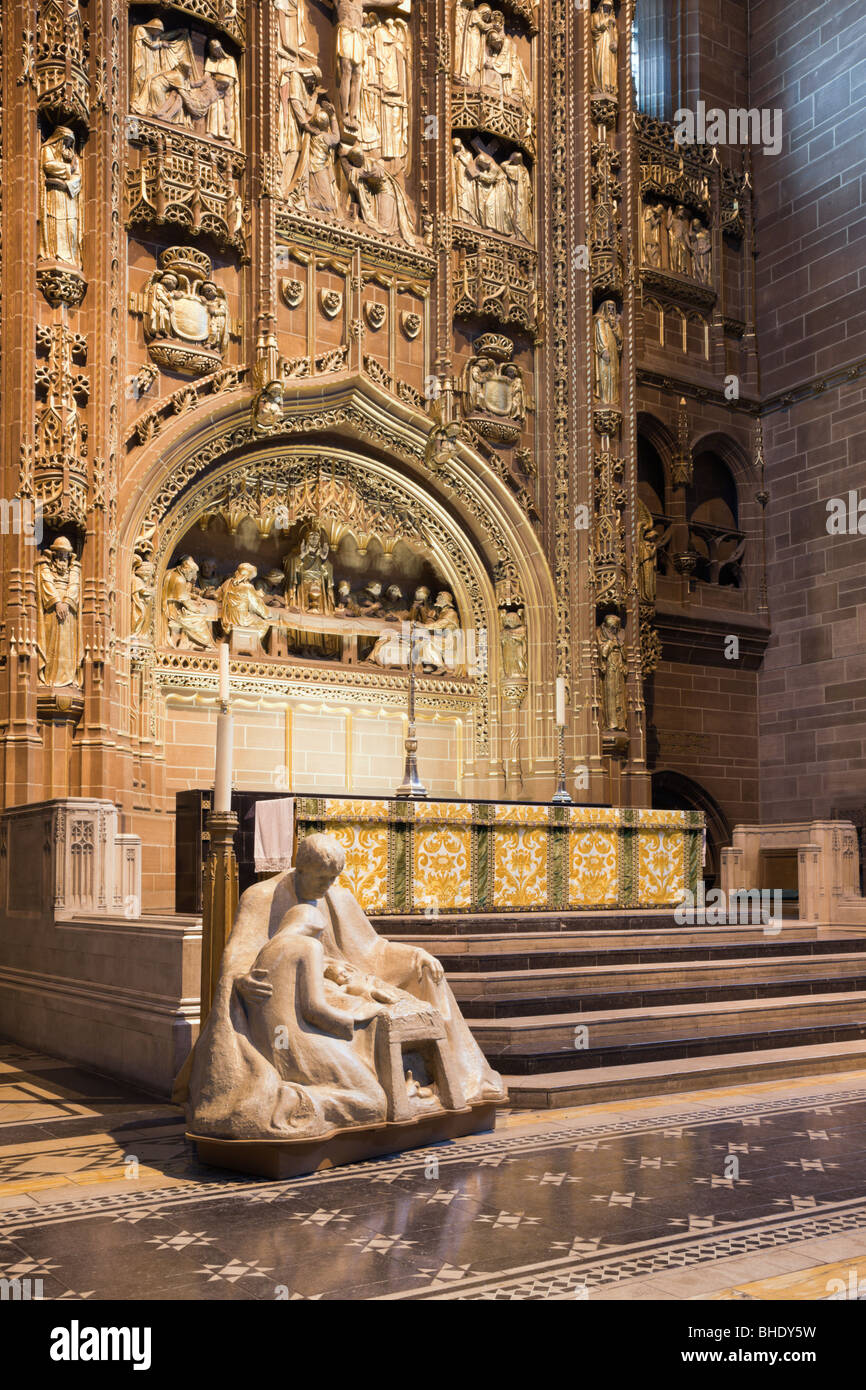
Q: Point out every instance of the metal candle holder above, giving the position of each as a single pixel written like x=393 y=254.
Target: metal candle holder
x=411 y=786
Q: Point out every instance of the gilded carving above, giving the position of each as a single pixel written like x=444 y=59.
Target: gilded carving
x=60 y=199
x=494 y=395
x=607 y=353
x=605 y=43
x=187 y=625
x=168 y=85
x=490 y=194
x=58 y=632
x=612 y=668
x=186 y=316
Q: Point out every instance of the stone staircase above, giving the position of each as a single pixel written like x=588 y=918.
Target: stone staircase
x=579 y=1008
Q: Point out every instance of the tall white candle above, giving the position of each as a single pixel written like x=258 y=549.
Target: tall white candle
x=222 y=781
x=224 y=673
x=560 y=699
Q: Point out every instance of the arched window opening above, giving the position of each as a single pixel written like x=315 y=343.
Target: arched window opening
x=714 y=527
x=654 y=58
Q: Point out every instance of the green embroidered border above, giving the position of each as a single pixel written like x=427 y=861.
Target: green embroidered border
x=557 y=858
x=627 y=866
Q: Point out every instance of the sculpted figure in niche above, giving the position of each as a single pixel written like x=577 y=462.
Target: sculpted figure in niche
x=433 y=648
x=291 y=27
x=60 y=198
x=605 y=42
x=241 y=605
x=393 y=62
x=470 y=50
x=300 y=89
x=289 y=1047
x=310 y=589
x=370 y=129
x=512 y=641
x=421 y=610
x=612 y=665
x=502 y=71
x=223 y=115
x=186 y=624
x=647 y=546
x=376 y=197
x=520 y=195
x=465 y=192
x=492 y=191
x=351 y=55
x=652 y=222
x=680 y=245
x=142 y=595
x=155 y=52
x=58 y=636
x=702 y=245
x=218 y=316
x=324 y=139
x=607 y=352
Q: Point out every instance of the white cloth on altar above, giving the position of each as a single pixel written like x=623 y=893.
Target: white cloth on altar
x=273 y=841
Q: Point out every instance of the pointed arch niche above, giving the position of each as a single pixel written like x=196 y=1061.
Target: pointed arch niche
x=327 y=721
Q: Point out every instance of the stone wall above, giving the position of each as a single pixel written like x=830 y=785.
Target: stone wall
x=811 y=236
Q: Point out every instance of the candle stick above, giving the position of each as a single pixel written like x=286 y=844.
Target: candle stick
x=224 y=673
x=222 y=781
x=560 y=700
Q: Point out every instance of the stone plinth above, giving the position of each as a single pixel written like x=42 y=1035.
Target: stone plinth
x=828 y=867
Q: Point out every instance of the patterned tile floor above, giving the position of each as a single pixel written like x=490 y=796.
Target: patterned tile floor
x=754 y=1193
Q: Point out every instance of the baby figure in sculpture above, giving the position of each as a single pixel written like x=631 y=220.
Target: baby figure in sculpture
x=311 y=1010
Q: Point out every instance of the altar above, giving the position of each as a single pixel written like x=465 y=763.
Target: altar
x=438 y=856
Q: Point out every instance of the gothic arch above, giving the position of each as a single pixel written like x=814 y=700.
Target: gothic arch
x=488 y=548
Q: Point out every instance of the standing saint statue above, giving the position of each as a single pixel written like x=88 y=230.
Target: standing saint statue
x=679 y=243
x=493 y=193
x=59 y=199
x=465 y=194
x=470 y=47
x=612 y=665
x=652 y=221
x=520 y=181
x=647 y=545
x=512 y=641
x=58 y=636
x=224 y=114
x=291 y=27
x=702 y=246
x=605 y=41
x=141 y=594
x=607 y=351
x=352 y=54
x=300 y=89
x=392 y=48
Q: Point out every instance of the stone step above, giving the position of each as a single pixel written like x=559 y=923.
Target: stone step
x=596 y=1085
x=457 y=924
x=547 y=1042
x=503 y=993
x=488 y=954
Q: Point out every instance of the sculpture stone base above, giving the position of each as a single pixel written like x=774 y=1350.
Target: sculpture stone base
x=292 y=1158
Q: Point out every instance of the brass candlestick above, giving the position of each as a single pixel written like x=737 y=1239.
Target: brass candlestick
x=219 y=901
x=561 y=796
x=411 y=786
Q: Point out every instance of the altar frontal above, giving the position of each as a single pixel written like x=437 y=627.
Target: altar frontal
x=481 y=856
